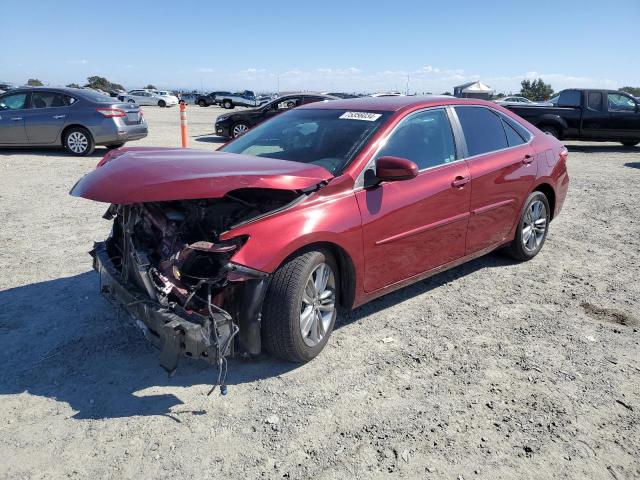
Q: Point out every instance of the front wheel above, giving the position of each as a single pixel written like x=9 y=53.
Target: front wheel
x=631 y=143
x=131 y=100
x=202 y=103
x=532 y=228
x=238 y=129
x=300 y=308
x=162 y=104
x=78 y=141
x=227 y=104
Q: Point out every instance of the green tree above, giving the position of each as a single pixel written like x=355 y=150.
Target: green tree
x=536 y=90
x=73 y=85
x=34 y=82
x=101 y=83
x=151 y=87
x=635 y=91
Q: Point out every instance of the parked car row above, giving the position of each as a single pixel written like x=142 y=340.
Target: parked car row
x=161 y=98
x=77 y=119
x=230 y=100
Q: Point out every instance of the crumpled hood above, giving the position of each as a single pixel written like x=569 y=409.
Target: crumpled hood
x=138 y=175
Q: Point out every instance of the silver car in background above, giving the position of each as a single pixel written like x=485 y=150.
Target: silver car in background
x=76 y=119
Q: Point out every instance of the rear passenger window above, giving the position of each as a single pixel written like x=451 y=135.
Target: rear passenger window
x=513 y=137
x=594 y=101
x=42 y=99
x=482 y=130
x=424 y=138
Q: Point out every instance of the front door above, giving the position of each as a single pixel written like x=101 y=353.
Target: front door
x=624 y=116
x=502 y=169
x=46 y=117
x=410 y=227
x=13 y=107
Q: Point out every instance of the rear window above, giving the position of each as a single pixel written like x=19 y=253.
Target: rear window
x=41 y=99
x=96 y=97
x=482 y=130
x=594 y=101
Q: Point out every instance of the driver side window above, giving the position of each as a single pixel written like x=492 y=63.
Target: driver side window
x=16 y=101
x=620 y=103
x=425 y=138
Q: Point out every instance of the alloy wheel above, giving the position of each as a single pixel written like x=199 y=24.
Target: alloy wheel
x=534 y=226
x=77 y=142
x=240 y=129
x=318 y=305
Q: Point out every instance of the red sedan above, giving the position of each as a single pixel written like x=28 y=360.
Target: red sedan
x=256 y=246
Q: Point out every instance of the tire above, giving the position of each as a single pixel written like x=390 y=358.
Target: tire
x=631 y=143
x=162 y=104
x=525 y=247
x=228 y=104
x=553 y=131
x=78 y=141
x=202 y=103
x=131 y=100
x=238 y=129
x=113 y=146
x=285 y=305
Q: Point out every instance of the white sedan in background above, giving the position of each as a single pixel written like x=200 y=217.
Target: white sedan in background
x=148 y=97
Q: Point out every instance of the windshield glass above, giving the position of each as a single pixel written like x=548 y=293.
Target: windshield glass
x=329 y=138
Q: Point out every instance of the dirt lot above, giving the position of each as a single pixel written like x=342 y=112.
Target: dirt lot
x=491 y=370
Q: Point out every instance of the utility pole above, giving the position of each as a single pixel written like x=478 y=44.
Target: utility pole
x=407 y=84
x=278 y=80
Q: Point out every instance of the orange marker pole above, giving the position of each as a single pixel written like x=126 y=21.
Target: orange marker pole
x=183 y=124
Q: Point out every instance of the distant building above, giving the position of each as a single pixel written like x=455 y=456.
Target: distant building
x=473 y=90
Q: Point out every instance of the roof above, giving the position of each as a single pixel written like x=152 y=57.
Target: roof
x=385 y=104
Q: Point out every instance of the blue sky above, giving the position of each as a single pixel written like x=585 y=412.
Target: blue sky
x=329 y=45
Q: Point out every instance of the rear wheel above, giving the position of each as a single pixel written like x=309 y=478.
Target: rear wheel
x=162 y=104
x=131 y=100
x=631 y=143
x=78 y=141
x=532 y=228
x=202 y=103
x=300 y=309
x=227 y=104
x=549 y=130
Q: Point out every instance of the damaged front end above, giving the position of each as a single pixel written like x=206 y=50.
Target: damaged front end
x=165 y=264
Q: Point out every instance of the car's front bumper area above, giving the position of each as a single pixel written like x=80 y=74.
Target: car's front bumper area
x=169 y=327
x=223 y=129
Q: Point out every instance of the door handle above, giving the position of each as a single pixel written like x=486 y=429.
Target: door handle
x=527 y=159
x=16 y=119
x=460 y=181
x=58 y=117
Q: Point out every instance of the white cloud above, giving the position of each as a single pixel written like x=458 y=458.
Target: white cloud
x=77 y=62
x=206 y=70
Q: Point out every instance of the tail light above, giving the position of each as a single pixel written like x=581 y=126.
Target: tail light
x=111 y=112
x=140 y=111
x=110 y=155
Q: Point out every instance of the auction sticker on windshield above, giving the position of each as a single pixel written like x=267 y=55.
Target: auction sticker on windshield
x=366 y=116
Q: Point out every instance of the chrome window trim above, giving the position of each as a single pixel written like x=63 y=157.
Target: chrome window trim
x=453 y=118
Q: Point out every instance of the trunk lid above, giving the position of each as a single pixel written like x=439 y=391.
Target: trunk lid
x=139 y=175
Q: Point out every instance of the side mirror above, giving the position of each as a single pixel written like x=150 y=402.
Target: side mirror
x=391 y=169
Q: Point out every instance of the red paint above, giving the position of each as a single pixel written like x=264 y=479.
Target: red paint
x=175 y=174
x=393 y=234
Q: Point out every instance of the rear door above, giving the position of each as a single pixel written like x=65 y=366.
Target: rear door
x=13 y=107
x=47 y=116
x=502 y=169
x=413 y=226
x=624 y=116
x=595 y=118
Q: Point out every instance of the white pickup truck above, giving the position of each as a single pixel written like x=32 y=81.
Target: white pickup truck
x=241 y=99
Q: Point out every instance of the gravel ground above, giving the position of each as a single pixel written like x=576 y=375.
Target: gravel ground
x=490 y=370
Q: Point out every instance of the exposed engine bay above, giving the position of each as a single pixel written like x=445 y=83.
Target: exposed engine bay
x=165 y=264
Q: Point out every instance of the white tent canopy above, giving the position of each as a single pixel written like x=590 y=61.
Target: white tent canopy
x=477 y=87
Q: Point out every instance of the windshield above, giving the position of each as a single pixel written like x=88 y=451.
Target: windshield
x=329 y=138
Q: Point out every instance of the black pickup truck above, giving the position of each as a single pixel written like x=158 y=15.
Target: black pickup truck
x=587 y=114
